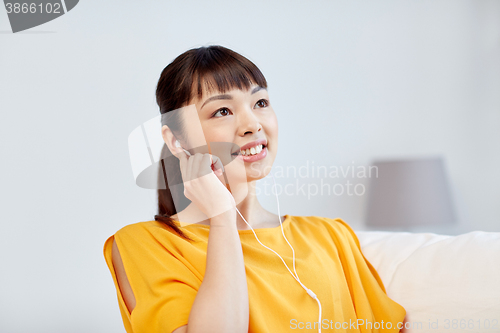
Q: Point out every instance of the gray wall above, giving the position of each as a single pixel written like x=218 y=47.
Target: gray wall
x=350 y=82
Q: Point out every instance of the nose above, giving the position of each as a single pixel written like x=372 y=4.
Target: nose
x=248 y=122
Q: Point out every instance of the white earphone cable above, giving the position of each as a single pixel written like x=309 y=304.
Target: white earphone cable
x=296 y=276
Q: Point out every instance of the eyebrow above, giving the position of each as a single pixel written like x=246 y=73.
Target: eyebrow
x=225 y=96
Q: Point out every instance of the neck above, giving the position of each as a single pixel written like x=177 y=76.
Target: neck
x=251 y=210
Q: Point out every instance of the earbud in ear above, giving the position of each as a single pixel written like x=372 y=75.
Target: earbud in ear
x=178 y=144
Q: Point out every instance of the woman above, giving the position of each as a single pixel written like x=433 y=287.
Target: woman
x=199 y=266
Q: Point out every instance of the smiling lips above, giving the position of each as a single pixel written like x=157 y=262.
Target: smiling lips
x=252 y=151
x=252 y=158
x=246 y=149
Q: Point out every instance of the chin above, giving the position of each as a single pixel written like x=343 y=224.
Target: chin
x=256 y=171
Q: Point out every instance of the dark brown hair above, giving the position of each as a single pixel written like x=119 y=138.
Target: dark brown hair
x=214 y=68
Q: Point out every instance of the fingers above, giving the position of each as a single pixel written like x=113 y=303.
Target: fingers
x=199 y=164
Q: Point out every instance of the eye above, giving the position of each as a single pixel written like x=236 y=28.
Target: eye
x=262 y=103
x=221 y=110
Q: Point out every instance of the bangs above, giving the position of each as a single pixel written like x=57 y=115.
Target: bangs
x=222 y=72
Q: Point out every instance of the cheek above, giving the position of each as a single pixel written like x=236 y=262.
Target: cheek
x=216 y=134
x=272 y=128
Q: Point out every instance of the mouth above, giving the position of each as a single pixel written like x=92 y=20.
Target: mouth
x=253 y=154
x=250 y=151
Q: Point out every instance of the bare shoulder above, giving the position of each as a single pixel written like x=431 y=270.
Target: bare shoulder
x=121 y=276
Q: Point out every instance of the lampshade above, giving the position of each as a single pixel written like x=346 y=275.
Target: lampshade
x=404 y=193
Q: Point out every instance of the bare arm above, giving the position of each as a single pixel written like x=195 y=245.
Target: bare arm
x=121 y=276
x=221 y=304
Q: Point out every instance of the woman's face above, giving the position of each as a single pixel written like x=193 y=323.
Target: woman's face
x=238 y=117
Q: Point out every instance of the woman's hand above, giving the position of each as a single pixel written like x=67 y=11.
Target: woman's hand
x=204 y=186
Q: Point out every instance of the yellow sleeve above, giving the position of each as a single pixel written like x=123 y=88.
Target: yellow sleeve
x=356 y=247
x=367 y=289
x=164 y=287
x=121 y=303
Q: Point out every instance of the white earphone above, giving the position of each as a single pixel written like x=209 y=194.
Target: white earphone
x=178 y=144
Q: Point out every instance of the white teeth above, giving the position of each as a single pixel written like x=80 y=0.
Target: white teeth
x=252 y=151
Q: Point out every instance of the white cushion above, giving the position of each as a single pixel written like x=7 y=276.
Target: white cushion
x=445 y=283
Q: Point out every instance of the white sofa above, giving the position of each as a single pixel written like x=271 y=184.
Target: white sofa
x=445 y=283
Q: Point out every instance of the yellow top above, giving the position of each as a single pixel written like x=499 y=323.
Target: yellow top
x=165 y=272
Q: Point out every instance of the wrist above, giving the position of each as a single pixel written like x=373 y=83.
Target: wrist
x=227 y=218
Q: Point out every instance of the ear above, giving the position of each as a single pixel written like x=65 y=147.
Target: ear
x=170 y=140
